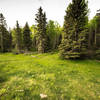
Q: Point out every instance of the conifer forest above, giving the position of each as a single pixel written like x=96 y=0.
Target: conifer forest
x=47 y=61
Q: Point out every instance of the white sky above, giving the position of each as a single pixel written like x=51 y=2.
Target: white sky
x=25 y=10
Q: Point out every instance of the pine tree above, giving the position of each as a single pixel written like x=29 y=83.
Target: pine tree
x=74 y=42
x=27 y=41
x=41 y=36
x=19 y=41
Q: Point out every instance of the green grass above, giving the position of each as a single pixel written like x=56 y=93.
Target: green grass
x=25 y=77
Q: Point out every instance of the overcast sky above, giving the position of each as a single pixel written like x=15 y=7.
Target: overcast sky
x=25 y=10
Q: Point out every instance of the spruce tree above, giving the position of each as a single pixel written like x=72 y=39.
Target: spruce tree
x=19 y=42
x=4 y=34
x=27 y=41
x=41 y=36
x=74 y=42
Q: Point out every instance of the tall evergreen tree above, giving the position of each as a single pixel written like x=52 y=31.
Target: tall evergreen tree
x=74 y=40
x=19 y=41
x=27 y=41
x=4 y=34
x=41 y=36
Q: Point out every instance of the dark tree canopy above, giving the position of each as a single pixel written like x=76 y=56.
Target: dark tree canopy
x=94 y=36
x=27 y=41
x=4 y=35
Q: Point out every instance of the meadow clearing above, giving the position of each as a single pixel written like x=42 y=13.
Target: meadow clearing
x=25 y=77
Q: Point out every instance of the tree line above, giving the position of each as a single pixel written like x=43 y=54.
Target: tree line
x=78 y=38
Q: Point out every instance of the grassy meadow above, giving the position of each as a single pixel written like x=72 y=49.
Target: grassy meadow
x=25 y=77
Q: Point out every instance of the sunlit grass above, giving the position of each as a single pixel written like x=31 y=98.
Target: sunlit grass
x=25 y=77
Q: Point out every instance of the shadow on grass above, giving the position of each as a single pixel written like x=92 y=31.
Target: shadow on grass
x=3 y=76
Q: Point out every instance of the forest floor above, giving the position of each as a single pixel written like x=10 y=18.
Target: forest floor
x=25 y=77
